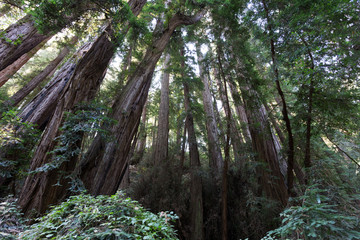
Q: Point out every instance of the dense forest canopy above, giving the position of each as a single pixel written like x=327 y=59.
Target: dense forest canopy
x=230 y=119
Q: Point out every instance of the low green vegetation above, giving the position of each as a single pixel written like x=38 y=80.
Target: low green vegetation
x=87 y=217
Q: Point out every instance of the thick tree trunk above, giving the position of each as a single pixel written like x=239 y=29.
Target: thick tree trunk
x=161 y=144
x=271 y=179
x=82 y=85
x=33 y=83
x=41 y=108
x=19 y=39
x=10 y=70
x=216 y=160
x=240 y=111
x=105 y=162
x=196 y=201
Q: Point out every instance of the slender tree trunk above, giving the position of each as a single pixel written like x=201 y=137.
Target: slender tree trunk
x=196 y=201
x=33 y=83
x=161 y=144
x=307 y=160
x=230 y=126
x=141 y=143
x=297 y=169
x=234 y=133
x=10 y=70
x=125 y=182
x=102 y=170
x=39 y=191
x=183 y=145
x=276 y=125
x=290 y=151
x=216 y=160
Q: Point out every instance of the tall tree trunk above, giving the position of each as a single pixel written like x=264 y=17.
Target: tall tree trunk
x=10 y=70
x=230 y=125
x=196 y=201
x=216 y=160
x=263 y=144
x=141 y=143
x=240 y=111
x=102 y=170
x=297 y=169
x=23 y=36
x=290 y=151
x=307 y=159
x=19 y=39
x=33 y=83
x=42 y=106
x=161 y=144
x=234 y=133
x=83 y=83
x=40 y=109
x=183 y=146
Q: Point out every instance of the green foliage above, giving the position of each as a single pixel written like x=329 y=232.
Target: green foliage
x=11 y=219
x=316 y=218
x=87 y=119
x=102 y=217
x=17 y=140
x=9 y=41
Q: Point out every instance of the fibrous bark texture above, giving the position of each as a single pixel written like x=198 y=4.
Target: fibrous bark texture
x=48 y=71
x=10 y=70
x=106 y=161
x=82 y=84
x=161 y=144
x=41 y=107
x=196 y=201
x=19 y=39
x=263 y=144
x=216 y=160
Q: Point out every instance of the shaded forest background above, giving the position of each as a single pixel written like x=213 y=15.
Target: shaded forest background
x=234 y=119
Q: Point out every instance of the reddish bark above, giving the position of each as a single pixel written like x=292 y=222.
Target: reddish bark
x=39 y=190
x=48 y=71
x=19 y=38
x=161 y=143
x=216 y=160
x=10 y=70
x=105 y=162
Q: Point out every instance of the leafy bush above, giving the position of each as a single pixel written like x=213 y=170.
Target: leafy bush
x=316 y=218
x=11 y=220
x=102 y=217
x=17 y=140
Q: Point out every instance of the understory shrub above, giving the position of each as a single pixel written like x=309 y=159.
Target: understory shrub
x=102 y=217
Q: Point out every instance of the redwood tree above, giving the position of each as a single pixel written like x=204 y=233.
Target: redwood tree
x=105 y=162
